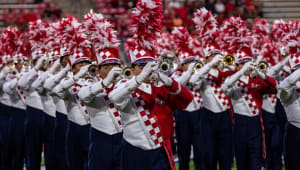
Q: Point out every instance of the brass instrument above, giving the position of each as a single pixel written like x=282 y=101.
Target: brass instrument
x=198 y=65
x=93 y=68
x=165 y=64
x=126 y=72
x=228 y=60
x=262 y=65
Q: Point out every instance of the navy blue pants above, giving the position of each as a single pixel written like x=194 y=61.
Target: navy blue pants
x=77 y=144
x=61 y=123
x=188 y=134
x=49 y=147
x=216 y=139
x=292 y=147
x=273 y=136
x=17 y=138
x=104 y=151
x=247 y=142
x=34 y=137
x=5 y=120
x=134 y=158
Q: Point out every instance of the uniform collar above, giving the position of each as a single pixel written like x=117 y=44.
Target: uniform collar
x=145 y=88
x=245 y=79
x=214 y=72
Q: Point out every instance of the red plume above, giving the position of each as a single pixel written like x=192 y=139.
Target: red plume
x=146 y=22
x=206 y=26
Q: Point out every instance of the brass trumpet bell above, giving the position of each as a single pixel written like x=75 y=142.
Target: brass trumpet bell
x=228 y=60
x=262 y=65
x=198 y=65
x=165 y=64
x=126 y=72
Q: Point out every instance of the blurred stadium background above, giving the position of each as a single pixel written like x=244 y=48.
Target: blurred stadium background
x=176 y=12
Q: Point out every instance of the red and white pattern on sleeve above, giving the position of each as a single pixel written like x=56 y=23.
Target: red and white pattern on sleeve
x=114 y=113
x=21 y=93
x=75 y=89
x=196 y=93
x=150 y=121
x=222 y=98
x=283 y=74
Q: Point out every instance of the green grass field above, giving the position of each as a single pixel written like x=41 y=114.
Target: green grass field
x=192 y=166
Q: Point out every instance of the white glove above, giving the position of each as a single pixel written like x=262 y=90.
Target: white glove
x=4 y=72
x=55 y=65
x=82 y=72
x=40 y=63
x=216 y=60
x=148 y=69
x=191 y=67
x=247 y=67
x=183 y=79
x=261 y=74
x=165 y=79
x=111 y=76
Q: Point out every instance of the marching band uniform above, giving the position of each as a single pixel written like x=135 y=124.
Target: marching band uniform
x=5 y=120
x=61 y=119
x=145 y=109
x=49 y=117
x=77 y=139
x=216 y=130
x=246 y=96
x=289 y=96
x=106 y=128
x=272 y=127
x=17 y=111
x=34 y=116
x=188 y=120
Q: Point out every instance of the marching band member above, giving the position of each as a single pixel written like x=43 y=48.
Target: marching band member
x=59 y=51
x=187 y=121
x=246 y=96
x=4 y=119
x=216 y=128
x=289 y=96
x=17 y=108
x=9 y=37
x=77 y=139
x=146 y=109
x=106 y=128
x=273 y=134
x=34 y=118
x=49 y=117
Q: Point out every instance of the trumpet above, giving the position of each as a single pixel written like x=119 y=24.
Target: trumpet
x=262 y=66
x=198 y=65
x=228 y=60
x=93 y=68
x=126 y=72
x=165 y=65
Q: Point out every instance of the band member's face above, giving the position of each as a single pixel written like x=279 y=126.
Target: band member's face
x=9 y=64
x=64 y=61
x=185 y=66
x=209 y=58
x=76 y=68
x=19 y=66
x=105 y=69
